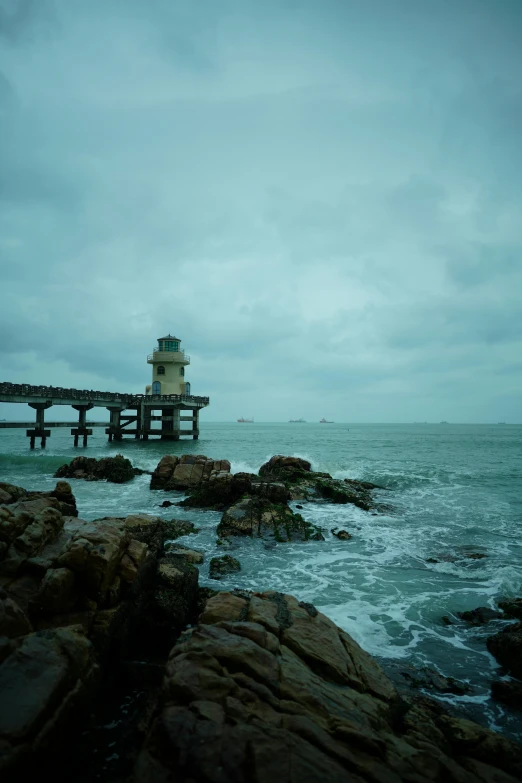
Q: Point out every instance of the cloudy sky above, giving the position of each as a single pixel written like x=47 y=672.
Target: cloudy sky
x=322 y=198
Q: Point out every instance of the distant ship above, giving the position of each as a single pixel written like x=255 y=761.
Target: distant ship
x=324 y=421
x=296 y=421
x=246 y=421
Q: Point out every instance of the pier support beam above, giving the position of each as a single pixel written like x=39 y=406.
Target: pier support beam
x=195 y=424
x=114 y=429
x=82 y=423
x=170 y=424
x=39 y=431
x=145 y=414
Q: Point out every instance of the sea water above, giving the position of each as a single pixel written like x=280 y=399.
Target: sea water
x=451 y=491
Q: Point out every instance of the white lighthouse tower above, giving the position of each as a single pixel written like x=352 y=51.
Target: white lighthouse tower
x=168 y=362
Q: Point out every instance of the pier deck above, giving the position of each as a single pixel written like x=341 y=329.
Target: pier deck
x=125 y=410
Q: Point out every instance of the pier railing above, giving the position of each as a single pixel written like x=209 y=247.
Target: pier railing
x=89 y=395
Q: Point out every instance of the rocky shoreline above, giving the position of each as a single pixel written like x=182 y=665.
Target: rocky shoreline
x=116 y=665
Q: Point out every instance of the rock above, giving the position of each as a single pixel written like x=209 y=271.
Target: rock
x=508 y=692
x=260 y=518
x=512 y=607
x=25 y=528
x=189 y=555
x=163 y=472
x=432 y=680
x=224 y=606
x=13 y=621
x=356 y=493
x=222 y=566
x=171 y=604
x=506 y=646
x=223 y=490
x=480 y=615
x=64 y=495
x=179 y=527
x=290 y=697
x=117 y=470
x=58 y=592
x=218 y=492
x=9 y=493
x=343 y=535
x=45 y=683
x=146 y=528
x=304 y=484
x=132 y=560
x=475 y=555
x=187 y=472
x=285 y=468
x=93 y=554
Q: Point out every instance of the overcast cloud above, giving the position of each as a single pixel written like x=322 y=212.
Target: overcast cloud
x=322 y=198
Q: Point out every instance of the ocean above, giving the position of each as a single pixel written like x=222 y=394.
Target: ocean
x=451 y=491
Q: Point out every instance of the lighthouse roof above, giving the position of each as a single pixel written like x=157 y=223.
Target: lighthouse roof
x=169 y=337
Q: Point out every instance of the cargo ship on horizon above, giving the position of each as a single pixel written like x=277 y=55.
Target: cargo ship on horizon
x=245 y=421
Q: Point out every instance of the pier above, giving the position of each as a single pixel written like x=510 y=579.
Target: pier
x=130 y=414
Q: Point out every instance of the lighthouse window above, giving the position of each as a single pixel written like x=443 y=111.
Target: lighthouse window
x=182 y=371
x=171 y=345
x=161 y=370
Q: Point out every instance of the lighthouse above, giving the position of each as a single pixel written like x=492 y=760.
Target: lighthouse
x=168 y=362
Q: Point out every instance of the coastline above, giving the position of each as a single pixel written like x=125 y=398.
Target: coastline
x=173 y=582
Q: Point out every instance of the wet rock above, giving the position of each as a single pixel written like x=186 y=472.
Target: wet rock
x=259 y=518
x=508 y=692
x=265 y=689
x=187 y=472
x=25 y=528
x=64 y=495
x=343 y=493
x=9 y=493
x=222 y=491
x=480 y=615
x=506 y=646
x=116 y=469
x=512 y=607
x=147 y=528
x=163 y=471
x=94 y=553
x=432 y=680
x=475 y=555
x=58 y=592
x=343 y=535
x=285 y=468
x=189 y=555
x=13 y=621
x=305 y=484
x=222 y=566
x=45 y=683
x=171 y=603
x=179 y=527
x=219 y=491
